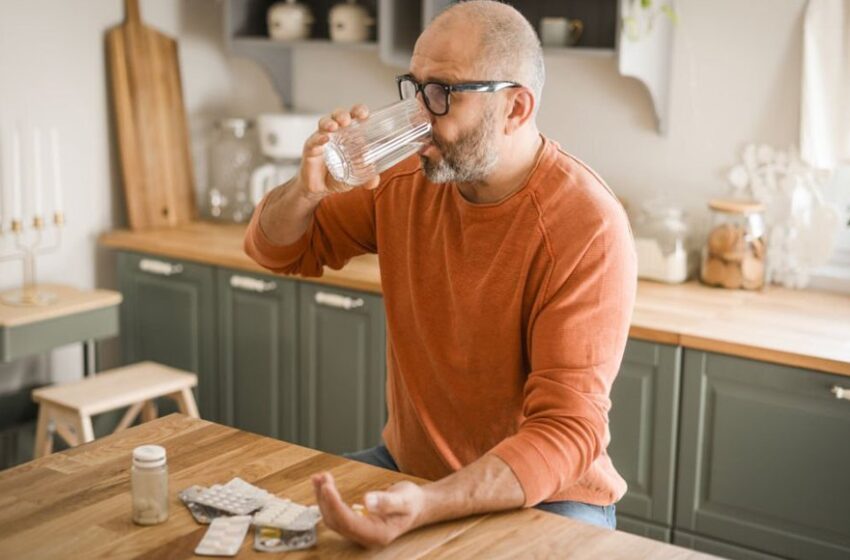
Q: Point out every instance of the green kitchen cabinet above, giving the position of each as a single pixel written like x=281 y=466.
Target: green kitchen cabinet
x=257 y=353
x=642 y=528
x=644 y=424
x=718 y=548
x=764 y=458
x=168 y=316
x=342 y=362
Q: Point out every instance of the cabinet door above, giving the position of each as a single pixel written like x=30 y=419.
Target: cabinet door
x=643 y=422
x=168 y=316
x=642 y=528
x=341 y=375
x=724 y=550
x=257 y=325
x=764 y=457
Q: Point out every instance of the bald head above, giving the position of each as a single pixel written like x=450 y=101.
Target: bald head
x=506 y=45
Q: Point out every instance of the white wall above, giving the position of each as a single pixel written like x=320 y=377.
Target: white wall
x=736 y=79
x=53 y=73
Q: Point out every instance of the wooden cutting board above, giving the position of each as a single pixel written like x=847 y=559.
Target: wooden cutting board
x=156 y=163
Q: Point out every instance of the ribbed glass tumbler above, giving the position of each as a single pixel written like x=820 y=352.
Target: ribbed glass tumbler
x=362 y=150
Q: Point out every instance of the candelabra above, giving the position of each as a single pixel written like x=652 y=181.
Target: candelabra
x=30 y=242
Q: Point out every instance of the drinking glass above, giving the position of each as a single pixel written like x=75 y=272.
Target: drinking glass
x=362 y=150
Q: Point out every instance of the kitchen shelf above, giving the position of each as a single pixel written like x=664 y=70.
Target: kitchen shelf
x=599 y=18
x=580 y=51
x=648 y=58
x=266 y=43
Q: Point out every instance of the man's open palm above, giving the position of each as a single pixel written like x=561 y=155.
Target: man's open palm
x=388 y=514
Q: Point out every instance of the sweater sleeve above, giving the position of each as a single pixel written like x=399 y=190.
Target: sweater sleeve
x=576 y=343
x=343 y=226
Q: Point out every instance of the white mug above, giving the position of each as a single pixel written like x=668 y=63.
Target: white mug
x=560 y=32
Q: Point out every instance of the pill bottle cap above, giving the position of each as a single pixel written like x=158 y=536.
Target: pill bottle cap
x=149 y=456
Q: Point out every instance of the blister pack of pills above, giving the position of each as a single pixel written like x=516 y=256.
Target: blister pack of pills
x=237 y=497
x=202 y=514
x=224 y=536
x=287 y=515
x=271 y=539
x=249 y=490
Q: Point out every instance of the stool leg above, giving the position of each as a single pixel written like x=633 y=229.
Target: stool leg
x=129 y=416
x=43 y=436
x=84 y=430
x=186 y=403
x=149 y=411
x=65 y=432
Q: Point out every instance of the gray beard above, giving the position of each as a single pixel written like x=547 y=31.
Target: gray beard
x=470 y=159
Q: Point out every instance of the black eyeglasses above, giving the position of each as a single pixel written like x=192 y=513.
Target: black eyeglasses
x=437 y=94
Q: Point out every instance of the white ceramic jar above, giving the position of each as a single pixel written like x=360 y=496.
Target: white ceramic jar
x=289 y=21
x=350 y=23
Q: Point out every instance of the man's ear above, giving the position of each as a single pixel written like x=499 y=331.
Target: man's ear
x=520 y=108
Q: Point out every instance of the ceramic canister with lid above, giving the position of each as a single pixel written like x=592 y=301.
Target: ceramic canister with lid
x=350 y=23
x=289 y=21
x=734 y=254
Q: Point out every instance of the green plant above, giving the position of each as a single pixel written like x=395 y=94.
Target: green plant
x=641 y=15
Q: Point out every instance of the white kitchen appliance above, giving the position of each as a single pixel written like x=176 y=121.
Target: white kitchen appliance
x=282 y=137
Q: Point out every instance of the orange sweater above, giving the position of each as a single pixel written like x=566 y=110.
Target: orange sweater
x=506 y=322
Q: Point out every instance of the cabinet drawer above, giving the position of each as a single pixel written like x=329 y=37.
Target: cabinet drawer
x=765 y=457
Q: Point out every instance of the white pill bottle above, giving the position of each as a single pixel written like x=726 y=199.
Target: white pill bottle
x=149 y=482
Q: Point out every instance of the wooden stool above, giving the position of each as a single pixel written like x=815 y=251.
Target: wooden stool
x=69 y=407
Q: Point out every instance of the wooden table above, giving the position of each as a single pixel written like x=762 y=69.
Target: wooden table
x=76 y=504
x=76 y=316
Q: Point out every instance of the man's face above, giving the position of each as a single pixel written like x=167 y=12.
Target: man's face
x=465 y=141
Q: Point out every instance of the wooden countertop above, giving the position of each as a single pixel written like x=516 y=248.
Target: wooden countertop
x=69 y=301
x=76 y=504
x=221 y=245
x=800 y=328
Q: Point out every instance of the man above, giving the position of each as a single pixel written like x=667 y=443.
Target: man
x=508 y=274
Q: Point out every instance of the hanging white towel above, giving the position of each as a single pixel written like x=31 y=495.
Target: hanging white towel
x=825 y=111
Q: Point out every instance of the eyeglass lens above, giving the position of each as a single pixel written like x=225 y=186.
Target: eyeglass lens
x=434 y=94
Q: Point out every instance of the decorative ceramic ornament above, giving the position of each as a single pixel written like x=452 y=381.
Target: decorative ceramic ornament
x=802 y=226
x=289 y=21
x=350 y=23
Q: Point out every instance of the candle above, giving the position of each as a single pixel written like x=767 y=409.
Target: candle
x=16 y=176
x=36 y=172
x=57 y=171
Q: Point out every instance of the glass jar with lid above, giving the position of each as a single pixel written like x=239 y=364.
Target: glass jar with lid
x=662 y=242
x=233 y=155
x=149 y=484
x=734 y=253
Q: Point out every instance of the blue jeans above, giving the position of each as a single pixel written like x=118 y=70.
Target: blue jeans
x=601 y=516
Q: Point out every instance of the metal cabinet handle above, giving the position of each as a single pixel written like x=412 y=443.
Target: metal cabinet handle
x=840 y=392
x=338 y=301
x=160 y=268
x=251 y=284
